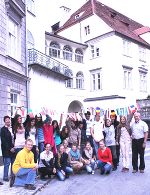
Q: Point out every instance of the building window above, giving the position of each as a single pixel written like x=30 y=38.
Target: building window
x=67 y=53
x=143 y=82
x=31 y=6
x=79 y=55
x=96 y=80
x=14 y=102
x=97 y=52
x=126 y=48
x=30 y=40
x=79 y=80
x=87 y=30
x=92 y=51
x=54 y=50
x=14 y=40
x=142 y=54
x=69 y=83
x=127 y=79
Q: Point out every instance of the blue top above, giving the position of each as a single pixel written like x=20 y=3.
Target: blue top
x=57 y=139
x=40 y=135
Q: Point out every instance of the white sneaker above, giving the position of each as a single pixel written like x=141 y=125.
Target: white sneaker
x=93 y=172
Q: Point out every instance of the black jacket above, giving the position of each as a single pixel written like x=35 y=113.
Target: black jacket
x=6 y=142
x=63 y=162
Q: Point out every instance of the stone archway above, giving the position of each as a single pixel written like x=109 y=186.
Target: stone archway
x=75 y=106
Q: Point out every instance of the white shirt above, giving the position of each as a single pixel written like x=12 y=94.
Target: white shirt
x=138 y=129
x=32 y=135
x=98 y=133
x=110 y=136
x=88 y=127
x=46 y=157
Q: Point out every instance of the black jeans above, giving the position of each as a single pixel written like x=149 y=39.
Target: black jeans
x=118 y=153
x=45 y=171
x=137 y=149
x=114 y=155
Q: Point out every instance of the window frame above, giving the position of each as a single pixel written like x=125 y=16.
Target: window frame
x=13 y=104
x=79 y=80
x=96 y=79
x=143 y=81
x=67 y=53
x=127 y=78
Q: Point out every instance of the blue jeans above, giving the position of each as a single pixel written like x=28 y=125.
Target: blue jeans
x=7 y=161
x=61 y=176
x=25 y=176
x=91 y=166
x=96 y=146
x=103 y=166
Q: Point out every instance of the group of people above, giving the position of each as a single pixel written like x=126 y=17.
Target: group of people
x=45 y=148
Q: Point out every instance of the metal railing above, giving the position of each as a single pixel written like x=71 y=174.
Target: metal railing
x=36 y=57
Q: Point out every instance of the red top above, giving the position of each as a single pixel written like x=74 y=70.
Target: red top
x=48 y=134
x=105 y=156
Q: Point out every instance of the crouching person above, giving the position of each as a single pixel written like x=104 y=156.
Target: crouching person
x=75 y=158
x=63 y=168
x=46 y=163
x=104 y=162
x=89 y=158
x=24 y=167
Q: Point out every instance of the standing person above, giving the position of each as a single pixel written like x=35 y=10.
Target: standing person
x=32 y=134
x=89 y=158
x=40 y=134
x=87 y=125
x=109 y=132
x=63 y=168
x=74 y=133
x=115 y=123
x=46 y=164
x=75 y=158
x=48 y=131
x=64 y=134
x=20 y=134
x=139 y=137
x=97 y=133
x=104 y=162
x=83 y=135
x=7 y=146
x=24 y=167
x=56 y=128
x=124 y=140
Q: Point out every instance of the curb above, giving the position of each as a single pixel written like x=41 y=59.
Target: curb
x=41 y=187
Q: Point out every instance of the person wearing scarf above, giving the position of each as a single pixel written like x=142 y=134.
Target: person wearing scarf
x=75 y=158
x=63 y=168
x=124 y=139
x=89 y=158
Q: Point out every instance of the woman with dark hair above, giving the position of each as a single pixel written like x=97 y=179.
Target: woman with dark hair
x=74 y=133
x=20 y=134
x=56 y=132
x=63 y=168
x=64 y=134
x=46 y=163
x=32 y=134
x=40 y=134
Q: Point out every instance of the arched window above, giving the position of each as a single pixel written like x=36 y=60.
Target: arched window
x=54 y=50
x=67 y=52
x=79 y=55
x=69 y=82
x=30 y=40
x=79 y=80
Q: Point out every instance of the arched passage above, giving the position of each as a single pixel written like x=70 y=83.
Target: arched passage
x=75 y=106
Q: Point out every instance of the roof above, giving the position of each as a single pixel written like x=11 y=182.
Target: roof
x=117 y=21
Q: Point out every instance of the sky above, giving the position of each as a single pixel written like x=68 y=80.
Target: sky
x=135 y=9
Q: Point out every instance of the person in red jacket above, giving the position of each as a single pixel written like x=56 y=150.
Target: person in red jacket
x=104 y=162
x=48 y=131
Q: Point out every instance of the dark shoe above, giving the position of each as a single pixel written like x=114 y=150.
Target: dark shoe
x=108 y=172
x=12 y=181
x=123 y=169
x=1 y=183
x=67 y=176
x=114 y=169
x=30 y=187
x=42 y=178
x=141 y=171
x=134 y=171
x=126 y=169
x=6 y=180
